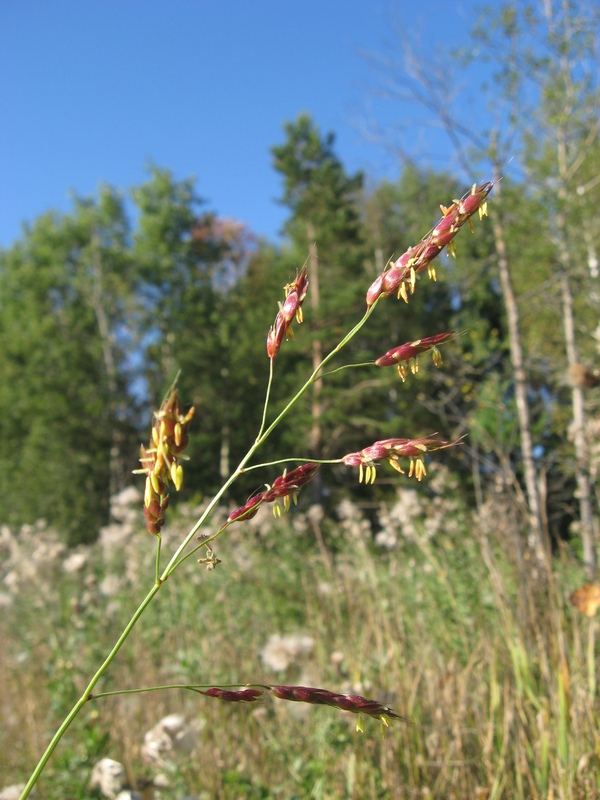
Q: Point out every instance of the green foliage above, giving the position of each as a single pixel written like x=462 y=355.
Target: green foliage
x=57 y=409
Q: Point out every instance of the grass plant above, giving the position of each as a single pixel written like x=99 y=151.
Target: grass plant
x=495 y=675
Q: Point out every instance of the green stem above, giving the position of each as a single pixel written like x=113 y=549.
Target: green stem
x=294 y=460
x=267 y=396
x=177 y=559
x=86 y=694
x=191 y=686
x=348 y=366
x=157 y=569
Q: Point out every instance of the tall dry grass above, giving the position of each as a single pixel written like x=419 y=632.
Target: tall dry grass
x=450 y=626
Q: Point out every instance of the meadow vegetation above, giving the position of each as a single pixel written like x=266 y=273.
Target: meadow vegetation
x=433 y=616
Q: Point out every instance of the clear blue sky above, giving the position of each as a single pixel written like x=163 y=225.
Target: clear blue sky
x=91 y=90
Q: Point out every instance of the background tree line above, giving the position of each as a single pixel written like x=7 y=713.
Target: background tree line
x=101 y=307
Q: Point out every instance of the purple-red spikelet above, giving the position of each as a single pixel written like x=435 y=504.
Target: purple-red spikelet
x=405 y=357
x=346 y=702
x=285 y=488
x=401 y=275
x=392 y=450
x=234 y=695
x=291 y=308
x=354 y=703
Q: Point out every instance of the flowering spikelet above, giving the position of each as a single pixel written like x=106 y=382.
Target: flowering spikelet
x=406 y=356
x=234 y=695
x=354 y=703
x=160 y=460
x=401 y=276
x=392 y=450
x=285 y=488
x=291 y=308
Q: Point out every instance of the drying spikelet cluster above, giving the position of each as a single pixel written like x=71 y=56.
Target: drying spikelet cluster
x=161 y=459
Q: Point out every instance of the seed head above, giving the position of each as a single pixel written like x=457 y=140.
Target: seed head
x=401 y=276
x=291 y=308
x=284 y=488
x=406 y=356
x=235 y=695
x=393 y=450
x=160 y=460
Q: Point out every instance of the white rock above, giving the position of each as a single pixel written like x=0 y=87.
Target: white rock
x=12 y=792
x=109 y=777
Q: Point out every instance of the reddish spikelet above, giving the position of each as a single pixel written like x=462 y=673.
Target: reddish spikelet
x=160 y=460
x=392 y=450
x=291 y=308
x=405 y=357
x=234 y=696
x=285 y=487
x=346 y=702
x=248 y=510
x=401 y=276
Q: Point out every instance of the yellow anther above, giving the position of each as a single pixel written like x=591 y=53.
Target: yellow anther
x=177 y=475
x=402 y=292
x=155 y=482
x=177 y=433
x=394 y=463
x=148 y=492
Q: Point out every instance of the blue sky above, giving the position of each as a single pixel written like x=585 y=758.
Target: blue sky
x=91 y=90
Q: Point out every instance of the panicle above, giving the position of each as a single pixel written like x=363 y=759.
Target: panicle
x=291 y=308
x=285 y=488
x=405 y=357
x=393 y=450
x=401 y=276
x=161 y=459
